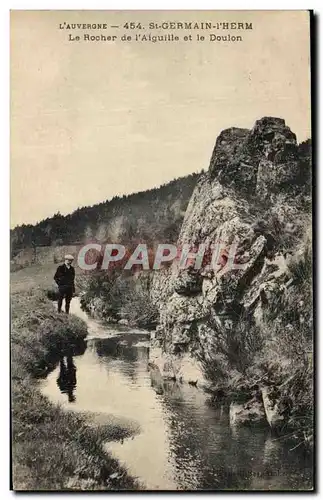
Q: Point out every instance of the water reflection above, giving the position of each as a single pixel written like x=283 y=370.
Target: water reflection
x=204 y=452
x=125 y=348
x=66 y=380
x=184 y=442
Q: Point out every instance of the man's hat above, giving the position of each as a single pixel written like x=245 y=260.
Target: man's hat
x=69 y=257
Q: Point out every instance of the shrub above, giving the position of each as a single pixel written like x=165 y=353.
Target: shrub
x=136 y=304
x=230 y=351
x=117 y=295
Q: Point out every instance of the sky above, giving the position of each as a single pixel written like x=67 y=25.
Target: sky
x=91 y=120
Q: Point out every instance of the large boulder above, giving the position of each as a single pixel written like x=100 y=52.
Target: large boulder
x=249 y=413
x=274 y=408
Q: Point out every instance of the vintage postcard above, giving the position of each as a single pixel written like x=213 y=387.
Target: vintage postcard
x=161 y=251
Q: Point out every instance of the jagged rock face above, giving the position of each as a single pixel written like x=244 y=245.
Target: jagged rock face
x=188 y=283
x=248 y=170
x=261 y=160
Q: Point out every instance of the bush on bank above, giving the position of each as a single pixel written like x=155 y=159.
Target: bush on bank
x=116 y=296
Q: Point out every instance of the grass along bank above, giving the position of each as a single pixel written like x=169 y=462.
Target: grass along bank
x=52 y=449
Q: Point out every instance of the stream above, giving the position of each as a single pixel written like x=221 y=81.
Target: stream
x=178 y=440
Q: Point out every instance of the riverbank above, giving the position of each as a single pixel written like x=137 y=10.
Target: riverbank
x=195 y=444
x=52 y=449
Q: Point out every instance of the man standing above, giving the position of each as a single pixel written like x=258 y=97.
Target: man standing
x=64 y=277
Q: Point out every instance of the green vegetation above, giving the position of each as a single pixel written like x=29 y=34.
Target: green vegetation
x=288 y=352
x=33 y=277
x=275 y=351
x=116 y=295
x=53 y=449
x=148 y=216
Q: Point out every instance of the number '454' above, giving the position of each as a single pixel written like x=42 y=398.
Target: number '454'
x=132 y=26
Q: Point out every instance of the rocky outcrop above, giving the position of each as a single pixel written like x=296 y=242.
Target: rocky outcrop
x=251 y=412
x=272 y=406
x=252 y=197
x=262 y=160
